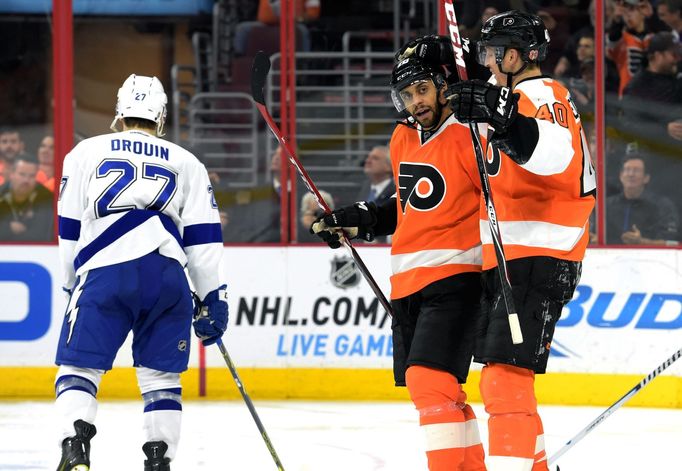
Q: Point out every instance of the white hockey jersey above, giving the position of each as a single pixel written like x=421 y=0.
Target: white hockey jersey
x=124 y=195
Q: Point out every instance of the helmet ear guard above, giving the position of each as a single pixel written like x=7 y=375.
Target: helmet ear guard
x=141 y=97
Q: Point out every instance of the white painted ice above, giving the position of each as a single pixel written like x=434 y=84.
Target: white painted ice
x=328 y=436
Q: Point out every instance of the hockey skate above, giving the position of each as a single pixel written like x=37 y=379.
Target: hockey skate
x=155 y=452
x=76 y=449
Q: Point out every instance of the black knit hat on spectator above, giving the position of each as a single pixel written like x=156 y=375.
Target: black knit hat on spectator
x=664 y=41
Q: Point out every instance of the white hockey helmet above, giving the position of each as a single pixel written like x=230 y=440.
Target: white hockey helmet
x=141 y=97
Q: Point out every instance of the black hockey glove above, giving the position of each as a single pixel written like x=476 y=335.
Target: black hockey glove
x=432 y=49
x=476 y=101
x=357 y=221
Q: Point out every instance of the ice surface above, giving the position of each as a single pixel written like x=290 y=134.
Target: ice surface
x=328 y=436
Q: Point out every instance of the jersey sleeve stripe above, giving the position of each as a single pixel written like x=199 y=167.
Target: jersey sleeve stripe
x=69 y=229
x=198 y=234
x=125 y=224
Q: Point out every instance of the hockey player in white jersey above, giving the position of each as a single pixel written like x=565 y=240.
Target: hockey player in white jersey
x=134 y=210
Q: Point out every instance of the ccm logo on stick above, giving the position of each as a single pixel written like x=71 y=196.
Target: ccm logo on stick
x=37 y=294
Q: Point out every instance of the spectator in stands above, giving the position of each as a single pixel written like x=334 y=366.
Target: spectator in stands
x=568 y=63
x=628 y=38
x=670 y=12
x=309 y=212
x=11 y=145
x=45 y=174
x=26 y=212
x=652 y=99
x=305 y=11
x=574 y=76
x=636 y=215
x=379 y=185
x=254 y=215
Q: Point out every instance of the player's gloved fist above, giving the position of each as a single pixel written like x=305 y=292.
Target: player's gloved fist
x=210 y=321
x=356 y=221
x=433 y=49
x=476 y=101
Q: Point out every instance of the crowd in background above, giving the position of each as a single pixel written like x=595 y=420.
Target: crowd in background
x=643 y=148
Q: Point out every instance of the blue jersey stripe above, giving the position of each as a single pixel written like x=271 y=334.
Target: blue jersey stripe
x=69 y=229
x=164 y=404
x=125 y=224
x=197 y=234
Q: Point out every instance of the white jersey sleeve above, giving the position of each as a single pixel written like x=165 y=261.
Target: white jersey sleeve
x=70 y=208
x=202 y=234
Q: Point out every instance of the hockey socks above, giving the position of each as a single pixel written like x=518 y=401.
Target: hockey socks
x=514 y=427
x=162 y=396
x=76 y=397
x=449 y=424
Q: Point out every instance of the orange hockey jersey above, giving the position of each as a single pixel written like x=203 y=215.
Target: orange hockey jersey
x=628 y=54
x=437 y=232
x=543 y=206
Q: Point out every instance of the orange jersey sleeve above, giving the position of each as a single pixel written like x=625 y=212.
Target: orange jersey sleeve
x=438 y=193
x=543 y=206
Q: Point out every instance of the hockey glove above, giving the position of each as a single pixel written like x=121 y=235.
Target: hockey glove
x=211 y=320
x=356 y=220
x=476 y=101
x=432 y=49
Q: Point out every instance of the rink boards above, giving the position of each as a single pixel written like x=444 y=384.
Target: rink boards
x=304 y=324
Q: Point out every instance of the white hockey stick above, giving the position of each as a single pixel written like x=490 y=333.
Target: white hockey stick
x=456 y=40
x=592 y=425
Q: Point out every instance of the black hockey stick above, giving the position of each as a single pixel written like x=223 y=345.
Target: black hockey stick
x=259 y=73
x=592 y=425
x=249 y=404
x=456 y=40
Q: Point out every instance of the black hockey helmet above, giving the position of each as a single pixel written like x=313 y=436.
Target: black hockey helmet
x=409 y=71
x=516 y=30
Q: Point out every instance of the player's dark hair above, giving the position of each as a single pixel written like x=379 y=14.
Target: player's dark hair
x=139 y=123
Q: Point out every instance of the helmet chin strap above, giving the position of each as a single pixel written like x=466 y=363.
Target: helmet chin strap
x=510 y=75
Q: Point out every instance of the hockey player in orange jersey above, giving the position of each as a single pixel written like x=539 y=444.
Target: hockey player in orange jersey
x=435 y=258
x=543 y=185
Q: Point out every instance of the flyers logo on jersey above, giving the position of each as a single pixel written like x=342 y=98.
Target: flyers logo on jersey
x=421 y=186
x=493 y=160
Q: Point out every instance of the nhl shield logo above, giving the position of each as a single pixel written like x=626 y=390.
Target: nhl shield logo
x=344 y=273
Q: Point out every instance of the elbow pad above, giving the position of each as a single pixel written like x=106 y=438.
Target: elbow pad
x=520 y=139
x=387 y=217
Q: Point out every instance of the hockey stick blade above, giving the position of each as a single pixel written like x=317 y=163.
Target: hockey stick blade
x=249 y=404
x=259 y=73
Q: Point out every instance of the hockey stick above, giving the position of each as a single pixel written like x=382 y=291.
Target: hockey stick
x=455 y=38
x=569 y=444
x=249 y=404
x=259 y=73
